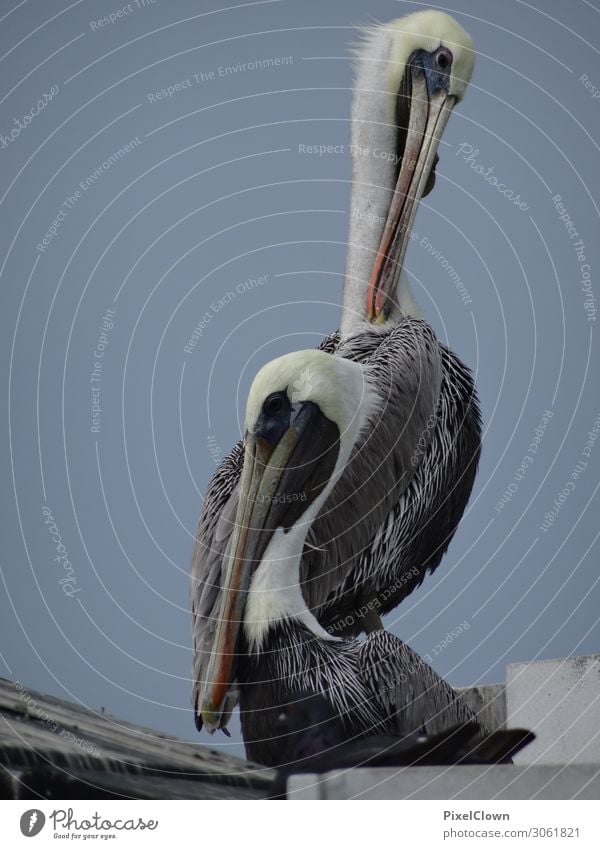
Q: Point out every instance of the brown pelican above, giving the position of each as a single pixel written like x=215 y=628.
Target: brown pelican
x=401 y=492
x=298 y=443
x=410 y=74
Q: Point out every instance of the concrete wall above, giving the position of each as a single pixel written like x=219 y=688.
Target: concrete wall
x=560 y=701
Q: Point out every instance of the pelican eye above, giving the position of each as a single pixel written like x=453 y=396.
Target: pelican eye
x=443 y=58
x=275 y=404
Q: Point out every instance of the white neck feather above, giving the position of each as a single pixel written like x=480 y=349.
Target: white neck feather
x=275 y=592
x=404 y=295
x=373 y=171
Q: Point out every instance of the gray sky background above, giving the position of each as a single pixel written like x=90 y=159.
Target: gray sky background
x=214 y=192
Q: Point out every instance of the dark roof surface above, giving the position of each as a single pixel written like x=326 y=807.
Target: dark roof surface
x=50 y=748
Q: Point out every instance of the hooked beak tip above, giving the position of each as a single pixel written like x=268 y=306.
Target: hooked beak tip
x=210 y=716
x=378 y=310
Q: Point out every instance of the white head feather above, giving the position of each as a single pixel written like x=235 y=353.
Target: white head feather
x=338 y=386
x=429 y=30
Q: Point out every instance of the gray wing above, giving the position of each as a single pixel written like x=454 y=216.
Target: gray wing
x=212 y=538
x=405 y=365
x=408 y=691
x=417 y=532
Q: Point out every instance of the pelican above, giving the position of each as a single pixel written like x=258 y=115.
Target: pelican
x=410 y=74
x=297 y=446
x=403 y=488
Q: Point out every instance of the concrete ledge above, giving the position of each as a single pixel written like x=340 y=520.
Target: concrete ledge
x=559 y=700
x=455 y=782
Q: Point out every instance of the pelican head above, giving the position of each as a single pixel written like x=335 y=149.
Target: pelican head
x=304 y=414
x=446 y=54
x=411 y=73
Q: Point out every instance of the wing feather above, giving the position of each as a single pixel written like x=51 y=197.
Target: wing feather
x=406 y=368
x=410 y=693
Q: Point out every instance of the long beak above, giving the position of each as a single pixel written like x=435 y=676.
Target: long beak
x=260 y=475
x=277 y=484
x=428 y=117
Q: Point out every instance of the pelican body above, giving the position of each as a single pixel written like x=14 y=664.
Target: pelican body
x=393 y=505
x=379 y=686
x=268 y=643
